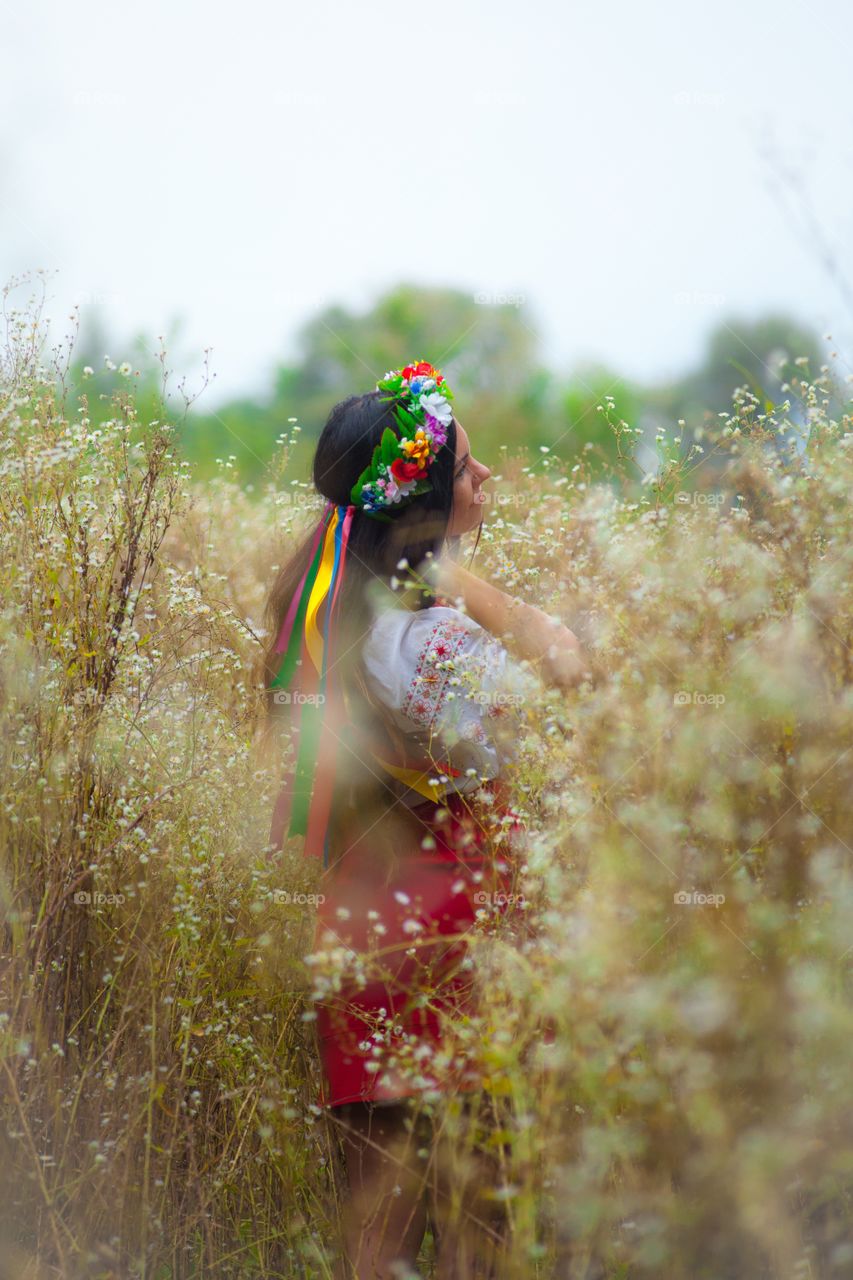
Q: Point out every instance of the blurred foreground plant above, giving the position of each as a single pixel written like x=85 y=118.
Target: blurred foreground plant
x=684 y=926
x=155 y=1117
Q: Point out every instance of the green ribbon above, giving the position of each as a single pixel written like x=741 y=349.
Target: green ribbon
x=310 y=718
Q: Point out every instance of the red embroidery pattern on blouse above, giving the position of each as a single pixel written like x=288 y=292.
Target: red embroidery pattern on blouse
x=427 y=689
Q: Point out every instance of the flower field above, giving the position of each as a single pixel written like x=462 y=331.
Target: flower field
x=686 y=931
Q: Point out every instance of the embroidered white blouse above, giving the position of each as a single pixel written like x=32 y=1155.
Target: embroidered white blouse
x=451 y=688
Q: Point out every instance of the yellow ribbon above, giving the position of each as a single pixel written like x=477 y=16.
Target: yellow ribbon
x=417 y=781
x=319 y=591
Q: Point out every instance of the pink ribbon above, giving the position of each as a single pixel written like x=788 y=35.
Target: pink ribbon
x=287 y=625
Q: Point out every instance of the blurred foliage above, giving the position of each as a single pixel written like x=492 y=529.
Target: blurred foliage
x=685 y=885
x=490 y=353
x=759 y=353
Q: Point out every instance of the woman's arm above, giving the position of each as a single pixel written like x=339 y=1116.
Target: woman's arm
x=529 y=631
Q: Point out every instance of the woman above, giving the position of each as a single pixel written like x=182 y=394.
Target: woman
x=405 y=704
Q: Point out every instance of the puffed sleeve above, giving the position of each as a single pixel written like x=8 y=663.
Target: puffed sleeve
x=443 y=674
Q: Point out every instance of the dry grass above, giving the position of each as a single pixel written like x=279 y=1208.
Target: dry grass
x=691 y=1117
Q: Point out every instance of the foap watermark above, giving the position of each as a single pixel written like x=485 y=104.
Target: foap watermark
x=98 y=98
x=89 y=698
x=288 y=697
x=484 y=899
x=283 y=897
x=699 y=298
x=496 y=698
x=695 y=697
x=84 y=898
x=486 y=299
x=296 y=98
x=686 y=498
x=98 y=298
x=696 y=899
x=498 y=98
x=698 y=98
x=301 y=498
x=487 y=498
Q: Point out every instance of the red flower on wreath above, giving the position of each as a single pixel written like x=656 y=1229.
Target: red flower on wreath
x=422 y=370
x=403 y=472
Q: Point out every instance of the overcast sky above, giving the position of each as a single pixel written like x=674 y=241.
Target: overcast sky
x=235 y=167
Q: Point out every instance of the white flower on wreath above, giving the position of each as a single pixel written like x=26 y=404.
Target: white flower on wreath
x=435 y=404
x=393 y=491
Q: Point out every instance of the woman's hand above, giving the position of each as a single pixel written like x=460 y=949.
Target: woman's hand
x=564 y=662
x=529 y=631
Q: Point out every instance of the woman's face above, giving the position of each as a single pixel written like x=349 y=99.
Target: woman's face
x=468 y=495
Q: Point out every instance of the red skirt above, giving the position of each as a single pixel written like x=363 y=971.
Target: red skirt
x=391 y=945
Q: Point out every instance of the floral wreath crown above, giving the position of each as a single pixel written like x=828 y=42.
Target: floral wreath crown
x=399 y=468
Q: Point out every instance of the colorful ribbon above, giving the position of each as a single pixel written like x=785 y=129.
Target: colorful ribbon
x=305 y=641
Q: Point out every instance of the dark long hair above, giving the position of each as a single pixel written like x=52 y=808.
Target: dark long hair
x=345 y=447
